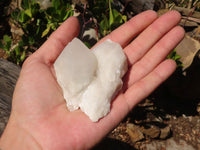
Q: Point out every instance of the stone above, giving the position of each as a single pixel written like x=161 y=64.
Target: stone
x=134 y=132
x=187 y=49
x=75 y=69
x=198 y=108
x=152 y=132
x=90 y=79
x=138 y=6
x=44 y=4
x=169 y=144
x=9 y=74
x=165 y=132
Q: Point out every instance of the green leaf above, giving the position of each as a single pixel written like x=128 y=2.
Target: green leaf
x=38 y=22
x=6 y=38
x=68 y=14
x=54 y=26
x=111 y=18
x=117 y=16
x=87 y=44
x=173 y=55
x=15 y=14
x=38 y=30
x=8 y=42
x=23 y=17
x=35 y=8
x=17 y=51
x=25 y=4
x=177 y=57
x=28 y=12
x=56 y=3
x=46 y=31
x=31 y=40
x=124 y=18
x=115 y=13
x=23 y=55
x=21 y=43
x=104 y=25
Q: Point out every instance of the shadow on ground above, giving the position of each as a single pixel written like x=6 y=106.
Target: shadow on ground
x=113 y=144
x=180 y=94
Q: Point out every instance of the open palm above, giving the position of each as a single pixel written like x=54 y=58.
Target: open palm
x=38 y=105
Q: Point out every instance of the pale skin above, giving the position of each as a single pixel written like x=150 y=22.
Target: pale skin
x=39 y=117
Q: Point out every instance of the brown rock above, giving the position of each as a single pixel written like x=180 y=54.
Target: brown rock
x=186 y=11
x=137 y=6
x=187 y=49
x=187 y=23
x=152 y=132
x=165 y=132
x=198 y=108
x=169 y=144
x=134 y=132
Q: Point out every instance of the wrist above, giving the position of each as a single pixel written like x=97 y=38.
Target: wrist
x=15 y=137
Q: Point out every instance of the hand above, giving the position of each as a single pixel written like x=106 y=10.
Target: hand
x=39 y=117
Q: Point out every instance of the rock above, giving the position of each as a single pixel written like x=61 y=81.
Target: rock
x=165 y=132
x=184 y=83
x=152 y=132
x=187 y=49
x=187 y=12
x=9 y=73
x=195 y=34
x=44 y=4
x=188 y=24
x=90 y=36
x=161 y=12
x=169 y=144
x=75 y=69
x=90 y=79
x=198 y=108
x=138 y=6
x=134 y=132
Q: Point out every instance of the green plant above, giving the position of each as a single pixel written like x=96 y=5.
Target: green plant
x=114 y=20
x=37 y=24
x=7 y=43
x=55 y=15
x=13 y=51
x=108 y=18
x=173 y=55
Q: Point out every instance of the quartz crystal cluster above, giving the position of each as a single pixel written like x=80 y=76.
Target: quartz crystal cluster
x=90 y=79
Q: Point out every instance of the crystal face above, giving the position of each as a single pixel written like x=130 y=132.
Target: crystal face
x=90 y=79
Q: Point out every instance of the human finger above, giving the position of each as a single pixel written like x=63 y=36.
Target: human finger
x=154 y=56
x=137 y=48
x=142 y=88
x=125 y=102
x=126 y=32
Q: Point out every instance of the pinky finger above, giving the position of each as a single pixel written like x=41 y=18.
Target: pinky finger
x=142 y=88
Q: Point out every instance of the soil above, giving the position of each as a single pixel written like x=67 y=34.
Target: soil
x=161 y=110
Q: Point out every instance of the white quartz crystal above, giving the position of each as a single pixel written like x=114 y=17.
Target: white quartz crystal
x=90 y=79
